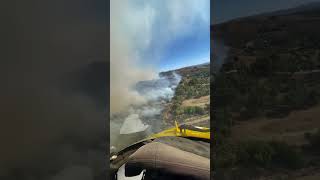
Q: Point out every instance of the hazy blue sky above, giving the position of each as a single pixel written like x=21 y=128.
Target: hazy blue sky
x=186 y=49
x=222 y=10
x=168 y=34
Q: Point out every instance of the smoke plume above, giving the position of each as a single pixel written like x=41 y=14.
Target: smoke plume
x=124 y=56
x=141 y=26
x=139 y=121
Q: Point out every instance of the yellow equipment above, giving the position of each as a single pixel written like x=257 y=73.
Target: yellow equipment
x=184 y=131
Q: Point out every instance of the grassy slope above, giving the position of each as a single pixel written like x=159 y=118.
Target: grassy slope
x=191 y=101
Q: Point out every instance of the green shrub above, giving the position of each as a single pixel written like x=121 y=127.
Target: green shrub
x=256 y=153
x=192 y=110
x=225 y=155
x=269 y=154
x=286 y=156
x=314 y=140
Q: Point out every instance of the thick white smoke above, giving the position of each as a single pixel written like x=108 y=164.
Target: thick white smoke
x=124 y=56
x=144 y=118
x=133 y=124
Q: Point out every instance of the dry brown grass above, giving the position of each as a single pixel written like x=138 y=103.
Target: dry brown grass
x=201 y=102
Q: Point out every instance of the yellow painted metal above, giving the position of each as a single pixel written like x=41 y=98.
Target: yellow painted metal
x=179 y=131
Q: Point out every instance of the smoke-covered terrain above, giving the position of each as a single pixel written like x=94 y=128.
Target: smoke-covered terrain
x=139 y=121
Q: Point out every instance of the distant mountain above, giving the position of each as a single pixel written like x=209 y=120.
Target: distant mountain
x=281 y=28
x=189 y=70
x=199 y=65
x=314 y=6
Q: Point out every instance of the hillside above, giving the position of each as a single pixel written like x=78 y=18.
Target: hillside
x=285 y=28
x=267 y=94
x=191 y=101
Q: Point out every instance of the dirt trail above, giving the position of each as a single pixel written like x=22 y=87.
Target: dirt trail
x=196 y=120
x=201 y=102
